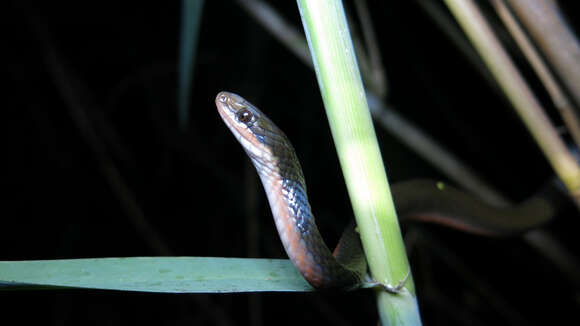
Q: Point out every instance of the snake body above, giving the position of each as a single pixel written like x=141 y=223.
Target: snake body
x=278 y=167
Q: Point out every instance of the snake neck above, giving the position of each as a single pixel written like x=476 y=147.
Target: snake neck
x=283 y=181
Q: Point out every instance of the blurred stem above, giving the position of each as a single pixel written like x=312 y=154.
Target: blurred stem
x=559 y=99
x=517 y=91
x=191 y=13
x=376 y=69
x=358 y=151
x=278 y=27
x=549 y=29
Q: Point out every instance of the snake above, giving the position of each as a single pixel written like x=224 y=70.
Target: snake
x=422 y=200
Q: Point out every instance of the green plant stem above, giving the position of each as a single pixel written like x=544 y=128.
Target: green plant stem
x=356 y=144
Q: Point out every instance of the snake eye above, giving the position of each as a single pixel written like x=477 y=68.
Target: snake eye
x=244 y=116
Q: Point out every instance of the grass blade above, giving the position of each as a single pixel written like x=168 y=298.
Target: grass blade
x=156 y=274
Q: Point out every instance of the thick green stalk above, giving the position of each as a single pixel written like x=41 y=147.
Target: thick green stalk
x=355 y=140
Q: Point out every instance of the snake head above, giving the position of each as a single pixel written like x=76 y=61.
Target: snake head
x=257 y=134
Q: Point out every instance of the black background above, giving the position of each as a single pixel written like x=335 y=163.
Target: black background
x=197 y=188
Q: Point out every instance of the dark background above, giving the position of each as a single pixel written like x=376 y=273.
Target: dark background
x=92 y=144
